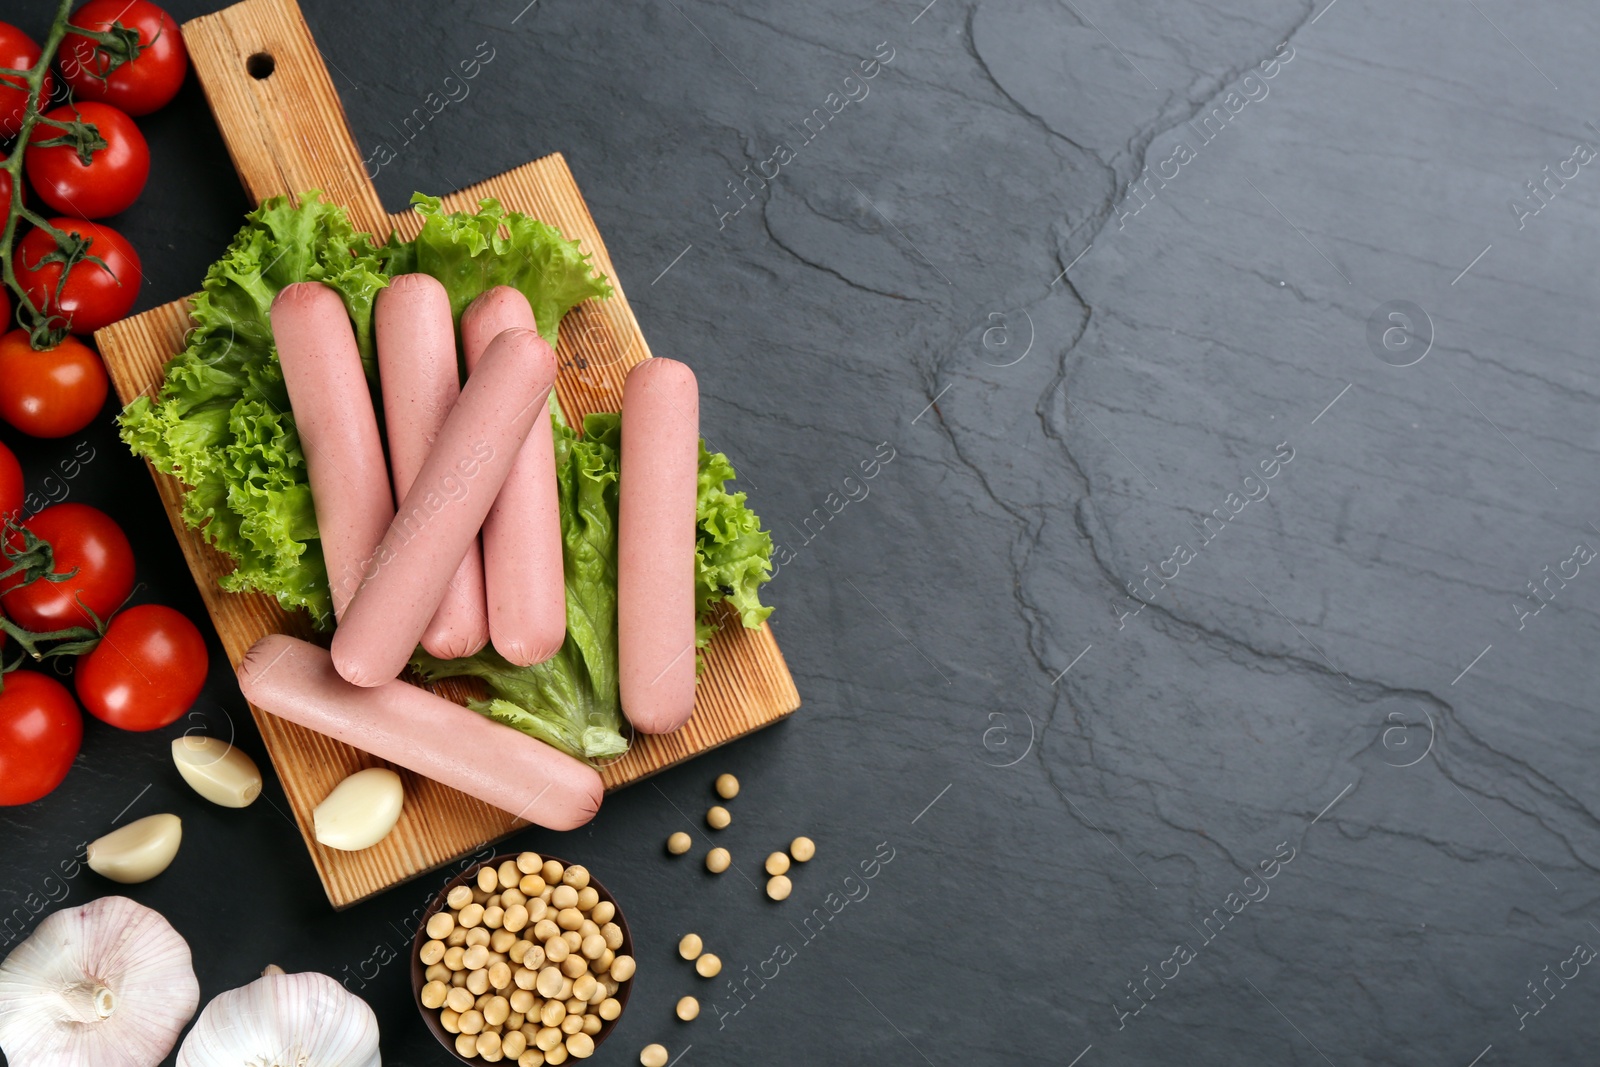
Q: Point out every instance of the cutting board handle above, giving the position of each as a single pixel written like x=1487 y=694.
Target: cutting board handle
x=277 y=108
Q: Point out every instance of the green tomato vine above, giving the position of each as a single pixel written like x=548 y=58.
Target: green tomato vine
x=117 y=45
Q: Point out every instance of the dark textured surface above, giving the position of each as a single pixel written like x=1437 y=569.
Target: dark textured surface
x=1054 y=836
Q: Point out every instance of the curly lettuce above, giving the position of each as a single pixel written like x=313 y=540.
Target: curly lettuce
x=221 y=421
x=733 y=555
x=571 y=700
x=472 y=254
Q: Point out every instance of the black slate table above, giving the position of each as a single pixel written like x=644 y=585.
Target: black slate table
x=1226 y=378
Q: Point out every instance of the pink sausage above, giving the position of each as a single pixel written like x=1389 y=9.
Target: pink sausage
x=522 y=534
x=428 y=734
x=417 y=367
x=657 y=490
x=444 y=509
x=338 y=430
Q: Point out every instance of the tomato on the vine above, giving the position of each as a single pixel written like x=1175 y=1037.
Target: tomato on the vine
x=146 y=671
x=17 y=52
x=140 y=85
x=106 y=185
x=40 y=731
x=94 y=295
x=10 y=483
x=80 y=537
x=51 y=393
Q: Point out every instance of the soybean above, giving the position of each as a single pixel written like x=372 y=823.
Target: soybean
x=679 y=843
x=802 y=849
x=688 y=1009
x=653 y=1056
x=717 y=817
x=536 y=945
x=779 y=887
x=690 y=946
x=727 y=786
x=778 y=863
x=717 y=860
x=708 y=966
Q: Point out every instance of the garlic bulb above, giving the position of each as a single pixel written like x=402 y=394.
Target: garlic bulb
x=284 y=1020
x=108 y=984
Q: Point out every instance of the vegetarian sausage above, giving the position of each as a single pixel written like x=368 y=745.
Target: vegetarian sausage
x=522 y=534
x=412 y=727
x=338 y=430
x=444 y=509
x=417 y=368
x=657 y=490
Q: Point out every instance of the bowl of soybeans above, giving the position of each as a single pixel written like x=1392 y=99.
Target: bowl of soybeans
x=522 y=959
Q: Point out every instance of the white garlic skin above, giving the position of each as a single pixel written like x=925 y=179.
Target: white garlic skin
x=307 y=1020
x=360 y=811
x=110 y=983
x=138 y=851
x=216 y=770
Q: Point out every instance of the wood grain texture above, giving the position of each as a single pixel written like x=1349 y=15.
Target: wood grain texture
x=287 y=134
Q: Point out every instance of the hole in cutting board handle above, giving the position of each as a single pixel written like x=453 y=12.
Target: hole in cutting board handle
x=261 y=65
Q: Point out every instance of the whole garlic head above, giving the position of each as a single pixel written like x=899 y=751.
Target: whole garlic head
x=109 y=983
x=284 y=1020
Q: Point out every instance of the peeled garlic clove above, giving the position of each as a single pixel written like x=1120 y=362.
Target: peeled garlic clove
x=110 y=982
x=216 y=770
x=139 y=851
x=307 y=1019
x=360 y=811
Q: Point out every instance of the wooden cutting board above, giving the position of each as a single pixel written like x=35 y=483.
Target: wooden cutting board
x=286 y=131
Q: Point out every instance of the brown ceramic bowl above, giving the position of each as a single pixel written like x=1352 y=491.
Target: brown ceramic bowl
x=430 y=1016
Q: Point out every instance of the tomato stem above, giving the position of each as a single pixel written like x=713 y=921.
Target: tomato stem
x=76 y=640
x=42 y=334
x=82 y=137
x=116 y=46
x=35 y=560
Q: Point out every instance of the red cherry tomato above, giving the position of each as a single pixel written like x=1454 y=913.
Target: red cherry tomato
x=94 y=296
x=40 y=731
x=52 y=393
x=17 y=52
x=146 y=671
x=112 y=179
x=10 y=484
x=81 y=537
x=140 y=85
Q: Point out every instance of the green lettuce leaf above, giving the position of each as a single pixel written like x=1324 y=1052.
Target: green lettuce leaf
x=220 y=421
x=571 y=700
x=472 y=254
x=733 y=555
